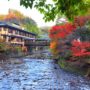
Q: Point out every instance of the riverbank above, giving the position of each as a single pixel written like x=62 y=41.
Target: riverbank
x=75 y=68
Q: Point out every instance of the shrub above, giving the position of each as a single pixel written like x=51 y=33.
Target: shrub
x=71 y=42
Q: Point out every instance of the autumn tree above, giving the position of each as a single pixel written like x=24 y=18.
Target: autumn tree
x=2 y=17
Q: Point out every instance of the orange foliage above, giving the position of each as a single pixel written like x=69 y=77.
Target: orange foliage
x=57 y=32
x=53 y=44
x=10 y=15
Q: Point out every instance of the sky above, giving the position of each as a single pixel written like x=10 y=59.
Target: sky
x=5 y=5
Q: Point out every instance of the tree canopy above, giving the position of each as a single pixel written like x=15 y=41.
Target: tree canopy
x=52 y=8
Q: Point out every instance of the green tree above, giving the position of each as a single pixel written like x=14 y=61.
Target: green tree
x=30 y=25
x=44 y=32
x=69 y=8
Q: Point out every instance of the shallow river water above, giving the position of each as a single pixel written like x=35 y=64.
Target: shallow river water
x=38 y=74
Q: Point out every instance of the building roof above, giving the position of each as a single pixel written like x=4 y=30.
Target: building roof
x=8 y=25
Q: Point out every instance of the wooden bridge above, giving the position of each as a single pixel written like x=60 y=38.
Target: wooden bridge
x=39 y=42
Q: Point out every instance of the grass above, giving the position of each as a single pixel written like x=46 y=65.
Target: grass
x=72 y=68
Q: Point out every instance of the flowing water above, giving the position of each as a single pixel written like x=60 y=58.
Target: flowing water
x=38 y=74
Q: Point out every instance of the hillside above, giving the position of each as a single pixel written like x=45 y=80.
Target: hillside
x=18 y=18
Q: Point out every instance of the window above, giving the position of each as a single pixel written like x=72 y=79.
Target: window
x=16 y=32
x=10 y=31
x=0 y=29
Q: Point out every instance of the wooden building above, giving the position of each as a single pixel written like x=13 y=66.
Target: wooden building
x=15 y=35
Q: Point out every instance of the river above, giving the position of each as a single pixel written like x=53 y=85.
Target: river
x=38 y=74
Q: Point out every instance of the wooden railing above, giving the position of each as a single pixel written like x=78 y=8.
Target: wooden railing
x=37 y=43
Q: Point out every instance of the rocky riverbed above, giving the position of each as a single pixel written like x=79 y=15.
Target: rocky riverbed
x=38 y=74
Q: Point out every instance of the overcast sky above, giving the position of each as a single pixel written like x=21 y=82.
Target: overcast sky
x=5 y=5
